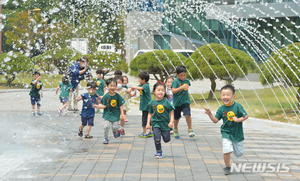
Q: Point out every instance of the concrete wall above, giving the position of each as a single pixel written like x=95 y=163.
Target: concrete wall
x=140 y=28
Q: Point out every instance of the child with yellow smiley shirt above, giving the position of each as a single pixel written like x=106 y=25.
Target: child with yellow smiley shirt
x=112 y=103
x=233 y=115
x=161 y=117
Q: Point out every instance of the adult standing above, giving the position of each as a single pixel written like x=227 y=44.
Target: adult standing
x=78 y=71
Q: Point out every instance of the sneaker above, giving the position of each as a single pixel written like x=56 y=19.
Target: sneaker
x=105 y=141
x=158 y=155
x=33 y=113
x=40 y=113
x=126 y=120
x=143 y=135
x=150 y=134
x=122 y=131
x=59 y=111
x=116 y=134
x=226 y=170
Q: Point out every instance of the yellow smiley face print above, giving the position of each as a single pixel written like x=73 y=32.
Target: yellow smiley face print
x=38 y=86
x=230 y=115
x=141 y=92
x=160 y=108
x=183 y=85
x=98 y=83
x=113 y=103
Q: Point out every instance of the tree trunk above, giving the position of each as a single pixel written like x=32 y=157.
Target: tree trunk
x=212 y=88
x=9 y=80
x=298 y=98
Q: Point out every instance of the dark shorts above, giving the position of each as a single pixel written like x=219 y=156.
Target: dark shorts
x=144 y=118
x=64 y=99
x=185 y=108
x=87 y=121
x=35 y=100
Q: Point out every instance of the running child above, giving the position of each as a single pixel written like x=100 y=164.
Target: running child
x=65 y=87
x=181 y=100
x=145 y=98
x=100 y=85
x=113 y=108
x=169 y=93
x=125 y=81
x=160 y=116
x=118 y=73
x=233 y=115
x=89 y=101
x=125 y=94
x=36 y=92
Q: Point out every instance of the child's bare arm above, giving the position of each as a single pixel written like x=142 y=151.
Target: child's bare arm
x=79 y=98
x=171 y=119
x=175 y=90
x=56 y=90
x=41 y=93
x=149 y=120
x=212 y=117
x=123 y=116
x=137 y=87
x=100 y=106
x=240 y=119
x=37 y=79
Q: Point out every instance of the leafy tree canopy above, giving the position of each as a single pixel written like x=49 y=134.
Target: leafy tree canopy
x=13 y=63
x=212 y=68
x=159 y=63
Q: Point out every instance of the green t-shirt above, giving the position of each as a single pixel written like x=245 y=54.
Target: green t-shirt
x=64 y=89
x=35 y=89
x=229 y=128
x=160 y=111
x=182 y=96
x=100 y=85
x=112 y=103
x=145 y=97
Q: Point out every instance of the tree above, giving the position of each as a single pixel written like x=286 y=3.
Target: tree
x=242 y=59
x=13 y=63
x=159 y=66
x=27 y=32
x=284 y=58
x=106 y=60
x=56 y=58
x=57 y=35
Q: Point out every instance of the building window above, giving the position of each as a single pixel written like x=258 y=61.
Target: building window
x=161 y=42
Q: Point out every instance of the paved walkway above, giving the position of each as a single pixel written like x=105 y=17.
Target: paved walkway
x=47 y=148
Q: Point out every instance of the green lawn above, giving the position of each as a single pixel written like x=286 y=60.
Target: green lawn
x=255 y=108
x=23 y=81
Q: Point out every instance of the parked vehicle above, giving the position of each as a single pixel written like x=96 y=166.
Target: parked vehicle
x=184 y=52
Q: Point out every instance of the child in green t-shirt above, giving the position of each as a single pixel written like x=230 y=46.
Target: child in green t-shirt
x=181 y=100
x=36 y=92
x=145 y=98
x=112 y=103
x=100 y=85
x=233 y=115
x=161 y=117
x=65 y=87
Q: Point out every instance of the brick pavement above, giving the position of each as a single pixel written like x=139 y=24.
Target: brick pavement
x=51 y=150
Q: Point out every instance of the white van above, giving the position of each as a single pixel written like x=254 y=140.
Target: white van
x=184 y=52
x=139 y=52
